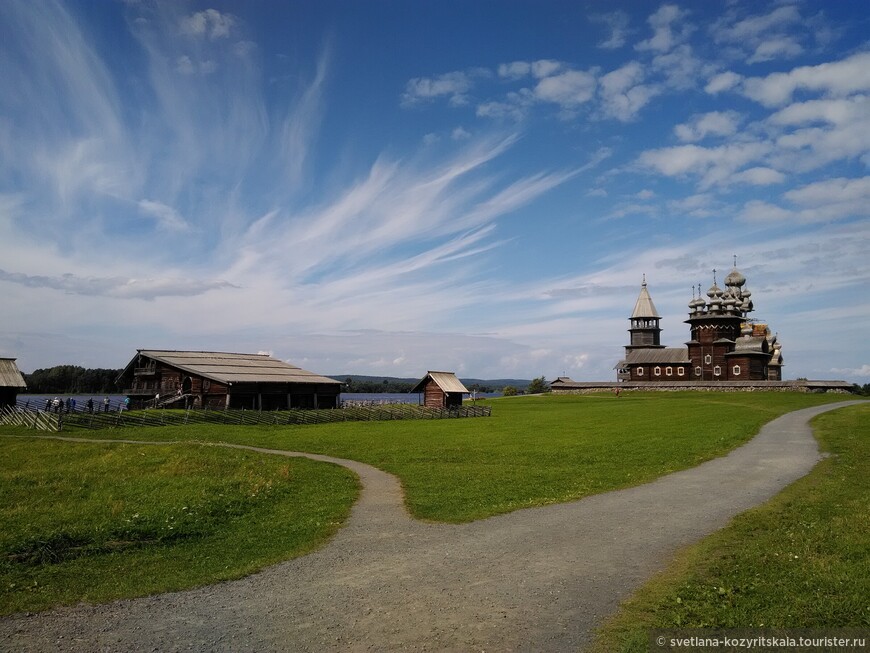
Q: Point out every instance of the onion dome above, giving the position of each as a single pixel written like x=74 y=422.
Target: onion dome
x=714 y=291
x=735 y=279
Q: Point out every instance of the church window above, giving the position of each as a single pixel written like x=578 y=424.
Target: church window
x=708 y=359
x=717 y=371
x=657 y=371
x=669 y=371
x=681 y=371
x=698 y=371
x=639 y=371
x=736 y=370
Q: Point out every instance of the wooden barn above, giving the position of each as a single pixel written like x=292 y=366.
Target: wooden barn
x=441 y=390
x=11 y=382
x=223 y=380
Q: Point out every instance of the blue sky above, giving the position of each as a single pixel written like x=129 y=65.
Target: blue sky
x=391 y=187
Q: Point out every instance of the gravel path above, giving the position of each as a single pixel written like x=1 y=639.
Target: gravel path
x=536 y=579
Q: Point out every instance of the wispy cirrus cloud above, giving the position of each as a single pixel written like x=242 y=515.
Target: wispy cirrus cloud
x=116 y=287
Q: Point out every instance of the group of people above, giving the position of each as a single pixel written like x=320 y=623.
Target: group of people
x=68 y=405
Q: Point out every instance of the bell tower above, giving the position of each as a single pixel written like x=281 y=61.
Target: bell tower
x=645 y=331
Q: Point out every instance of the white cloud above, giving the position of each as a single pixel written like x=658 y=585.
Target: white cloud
x=714 y=165
x=568 y=89
x=680 y=67
x=645 y=194
x=515 y=69
x=460 y=134
x=812 y=134
x=784 y=47
x=622 y=94
x=835 y=79
x=666 y=31
x=823 y=201
x=702 y=205
x=545 y=68
x=762 y=37
x=863 y=371
x=498 y=110
x=759 y=176
x=184 y=65
x=210 y=23
x=834 y=191
x=833 y=112
x=454 y=85
x=715 y=123
x=722 y=82
x=617 y=22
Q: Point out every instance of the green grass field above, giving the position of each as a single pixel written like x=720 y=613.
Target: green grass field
x=95 y=522
x=533 y=450
x=127 y=520
x=802 y=560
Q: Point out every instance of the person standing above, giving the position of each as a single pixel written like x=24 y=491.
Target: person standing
x=106 y=404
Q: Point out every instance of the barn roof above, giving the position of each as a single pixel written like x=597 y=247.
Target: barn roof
x=447 y=381
x=232 y=368
x=10 y=375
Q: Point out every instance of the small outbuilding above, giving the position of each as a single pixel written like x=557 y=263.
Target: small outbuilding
x=11 y=382
x=223 y=380
x=441 y=390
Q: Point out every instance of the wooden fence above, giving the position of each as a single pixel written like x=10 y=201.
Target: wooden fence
x=48 y=421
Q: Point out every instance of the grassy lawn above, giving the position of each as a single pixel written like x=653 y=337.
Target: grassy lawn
x=800 y=561
x=533 y=450
x=99 y=521
x=95 y=522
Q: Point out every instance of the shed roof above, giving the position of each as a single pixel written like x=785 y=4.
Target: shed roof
x=232 y=368
x=10 y=375
x=447 y=381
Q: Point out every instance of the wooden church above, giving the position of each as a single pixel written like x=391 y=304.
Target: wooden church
x=724 y=343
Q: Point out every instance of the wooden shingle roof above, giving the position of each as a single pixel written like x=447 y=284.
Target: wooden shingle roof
x=231 y=368
x=447 y=381
x=10 y=375
x=664 y=355
x=644 y=307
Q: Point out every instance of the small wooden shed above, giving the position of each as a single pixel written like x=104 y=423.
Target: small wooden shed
x=11 y=382
x=441 y=390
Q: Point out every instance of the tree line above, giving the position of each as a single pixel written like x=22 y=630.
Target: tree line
x=72 y=379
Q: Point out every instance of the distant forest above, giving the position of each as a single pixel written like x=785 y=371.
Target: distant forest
x=72 y=379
